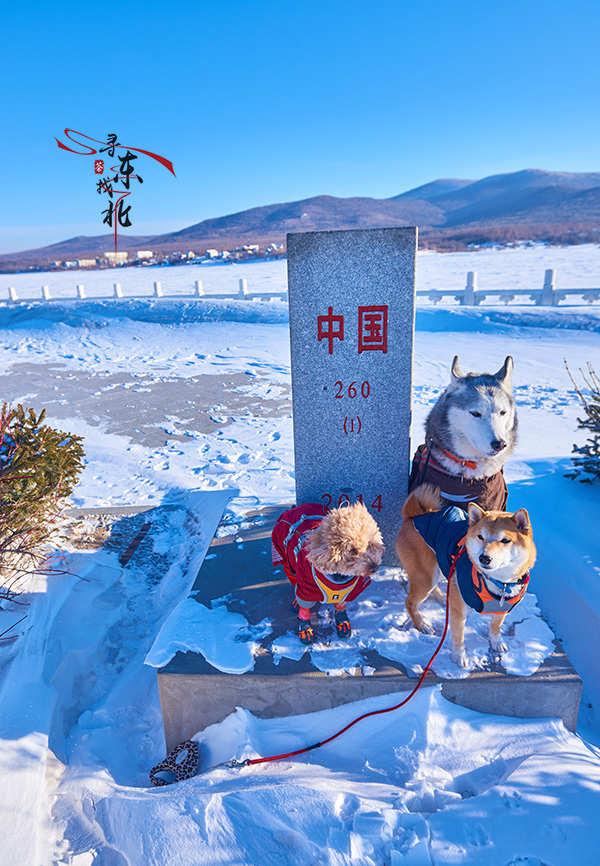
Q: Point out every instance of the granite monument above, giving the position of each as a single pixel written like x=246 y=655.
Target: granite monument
x=352 y=308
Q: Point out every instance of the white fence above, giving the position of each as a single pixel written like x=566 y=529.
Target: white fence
x=199 y=292
x=471 y=295
x=548 y=295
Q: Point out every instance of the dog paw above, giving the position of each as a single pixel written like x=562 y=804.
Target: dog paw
x=459 y=657
x=426 y=627
x=498 y=645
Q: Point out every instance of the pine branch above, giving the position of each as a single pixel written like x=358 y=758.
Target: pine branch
x=586 y=465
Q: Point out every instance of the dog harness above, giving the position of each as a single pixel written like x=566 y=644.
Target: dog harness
x=288 y=547
x=444 y=532
x=490 y=493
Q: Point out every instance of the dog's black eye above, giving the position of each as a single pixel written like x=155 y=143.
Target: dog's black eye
x=476 y=414
x=503 y=411
x=480 y=537
x=505 y=540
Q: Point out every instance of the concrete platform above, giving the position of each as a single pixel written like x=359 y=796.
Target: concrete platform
x=194 y=694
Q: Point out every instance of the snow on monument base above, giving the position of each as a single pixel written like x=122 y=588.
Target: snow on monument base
x=238 y=586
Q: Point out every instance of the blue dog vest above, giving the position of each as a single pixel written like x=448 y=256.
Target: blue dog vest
x=444 y=532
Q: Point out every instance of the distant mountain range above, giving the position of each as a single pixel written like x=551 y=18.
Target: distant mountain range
x=561 y=207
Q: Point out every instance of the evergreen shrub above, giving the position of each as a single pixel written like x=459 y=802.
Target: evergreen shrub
x=39 y=467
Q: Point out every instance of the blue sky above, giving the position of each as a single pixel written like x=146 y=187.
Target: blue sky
x=265 y=101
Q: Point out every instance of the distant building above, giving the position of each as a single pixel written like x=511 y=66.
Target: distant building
x=144 y=254
x=116 y=258
x=211 y=254
x=87 y=263
x=70 y=264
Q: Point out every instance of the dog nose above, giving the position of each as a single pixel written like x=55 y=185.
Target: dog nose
x=498 y=444
x=484 y=559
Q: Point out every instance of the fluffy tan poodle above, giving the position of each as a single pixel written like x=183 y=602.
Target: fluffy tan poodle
x=328 y=556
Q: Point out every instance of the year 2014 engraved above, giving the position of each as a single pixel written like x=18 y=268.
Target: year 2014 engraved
x=352 y=391
x=345 y=500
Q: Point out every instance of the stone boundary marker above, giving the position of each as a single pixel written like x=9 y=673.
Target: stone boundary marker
x=352 y=308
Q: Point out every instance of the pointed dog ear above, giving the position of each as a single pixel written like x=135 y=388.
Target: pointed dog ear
x=456 y=371
x=504 y=374
x=522 y=522
x=475 y=514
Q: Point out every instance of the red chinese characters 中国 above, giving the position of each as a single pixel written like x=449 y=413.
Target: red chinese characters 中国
x=372 y=329
x=327 y=330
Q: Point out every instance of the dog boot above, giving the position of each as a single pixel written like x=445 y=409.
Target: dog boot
x=342 y=624
x=295 y=607
x=306 y=632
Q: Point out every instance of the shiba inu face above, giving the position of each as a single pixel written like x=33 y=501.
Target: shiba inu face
x=500 y=544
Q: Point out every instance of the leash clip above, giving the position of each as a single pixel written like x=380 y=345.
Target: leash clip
x=234 y=764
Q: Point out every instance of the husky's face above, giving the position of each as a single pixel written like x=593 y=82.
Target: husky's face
x=481 y=419
x=481 y=412
x=500 y=542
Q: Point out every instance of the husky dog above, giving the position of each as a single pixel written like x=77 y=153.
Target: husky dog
x=490 y=575
x=470 y=434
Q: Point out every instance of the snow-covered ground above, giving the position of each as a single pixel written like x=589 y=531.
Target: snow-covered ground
x=80 y=722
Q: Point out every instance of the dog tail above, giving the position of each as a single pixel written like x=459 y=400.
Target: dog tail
x=423 y=500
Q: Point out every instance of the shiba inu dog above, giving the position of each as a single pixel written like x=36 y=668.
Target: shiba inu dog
x=491 y=574
x=469 y=435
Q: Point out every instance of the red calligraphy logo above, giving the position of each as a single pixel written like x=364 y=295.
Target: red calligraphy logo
x=332 y=332
x=372 y=329
x=124 y=173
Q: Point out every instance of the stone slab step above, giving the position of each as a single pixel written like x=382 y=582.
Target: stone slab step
x=194 y=694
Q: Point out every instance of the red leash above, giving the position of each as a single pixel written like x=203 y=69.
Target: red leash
x=250 y=761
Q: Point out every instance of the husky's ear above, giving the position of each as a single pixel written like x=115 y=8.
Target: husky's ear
x=456 y=372
x=475 y=514
x=504 y=374
x=522 y=522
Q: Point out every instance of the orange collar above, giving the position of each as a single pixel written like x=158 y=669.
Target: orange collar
x=464 y=463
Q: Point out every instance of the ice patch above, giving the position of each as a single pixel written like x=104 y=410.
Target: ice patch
x=529 y=647
x=217 y=634
x=287 y=646
x=337 y=659
x=334 y=659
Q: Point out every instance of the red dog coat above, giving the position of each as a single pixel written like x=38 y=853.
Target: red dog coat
x=288 y=546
